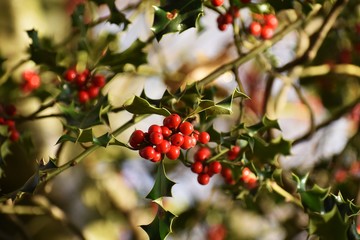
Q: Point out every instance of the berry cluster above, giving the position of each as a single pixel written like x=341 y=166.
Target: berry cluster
x=264 y=26
x=223 y=20
x=88 y=85
x=9 y=111
x=167 y=140
x=30 y=81
x=204 y=169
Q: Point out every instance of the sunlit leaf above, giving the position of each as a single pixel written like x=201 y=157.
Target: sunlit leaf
x=139 y=105
x=176 y=16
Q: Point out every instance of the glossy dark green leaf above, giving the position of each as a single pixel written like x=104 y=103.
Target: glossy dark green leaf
x=116 y=142
x=116 y=16
x=133 y=55
x=47 y=166
x=162 y=186
x=137 y=105
x=85 y=135
x=281 y=4
x=268 y=151
x=31 y=183
x=160 y=227
x=38 y=53
x=104 y=140
x=176 y=16
x=329 y=225
x=313 y=199
x=265 y=124
x=66 y=138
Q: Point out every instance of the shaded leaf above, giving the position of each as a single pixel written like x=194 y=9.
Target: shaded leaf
x=31 y=183
x=176 y=16
x=162 y=186
x=5 y=149
x=260 y=8
x=85 y=135
x=103 y=140
x=116 y=16
x=49 y=165
x=138 y=105
x=66 y=138
x=38 y=53
x=160 y=227
x=264 y=125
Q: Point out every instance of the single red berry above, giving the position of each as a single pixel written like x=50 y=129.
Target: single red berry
x=83 y=96
x=157 y=157
x=204 y=137
x=233 y=153
x=271 y=21
x=2 y=121
x=221 y=22
x=172 y=121
x=93 y=91
x=203 y=178
x=226 y=173
x=217 y=3
x=70 y=75
x=177 y=139
x=136 y=138
x=166 y=132
x=186 y=128
x=188 y=142
x=173 y=153
x=154 y=128
x=28 y=74
x=215 y=167
x=197 y=167
x=246 y=172
x=193 y=141
x=216 y=232
x=195 y=134
x=98 y=80
x=202 y=154
x=147 y=152
x=10 y=123
x=267 y=32
x=255 y=29
x=156 y=138
x=81 y=79
x=251 y=183
x=14 y=135
x=10 y=110
x=163 y=147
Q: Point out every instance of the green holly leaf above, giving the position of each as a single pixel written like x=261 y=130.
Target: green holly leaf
x=223 y=107
x=260 y=8
x=31 y=183
x=38 y=52
x=116 y=16
x=268 y=151
x=85 y=135
x=134 y=55
x=281 y=4
x=329 y=225
x=5 y=149
x=313 y=199
x=161 y=226
x=85 y=119
x=104 y=140
x=176 y=16
x=51 y=164
x=264 y=125
x=162 y=186
x=138 y=105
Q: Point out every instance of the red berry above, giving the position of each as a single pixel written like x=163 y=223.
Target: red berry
x=10 y=110
x=271 y=21
x=163 y=147
x=177 y=139
x=98 y=80
x=70 y=75
x=197 y=167
x=216 y=232
x=173 y=153
x=10 y=123
x=157 y=157
x=195 y=134
x=246 y=172
x=81 y=79
x=154 y=128
x=28 y=74
x=166 y=132
x=233 y=153
x=217 y=3
x=234 y=11
x=226 y=173
x=2 y=121
x=204 y=137
x=228 y=18
x=202 y=154
x=188 y=142
x=14 y=135
x=172 y=121
x=186 y=128
x=136 y=138
x=251 y=183
x=147 y=152
x=83 y=96
x=203 y=178
x=93 y=91
x=267 y=32
x=255 y=29
x=156 y=138
x=215 y=167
